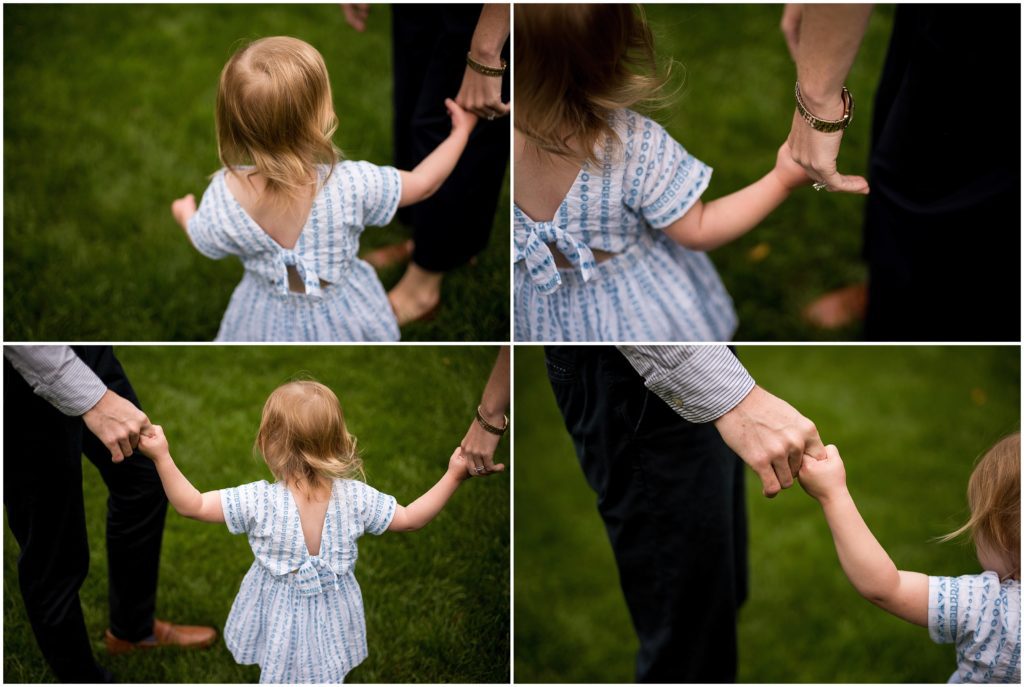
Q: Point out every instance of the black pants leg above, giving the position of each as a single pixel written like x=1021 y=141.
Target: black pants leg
x=671 y=495
x=429 y=46
x=136 y=510
x=46 y=512
x=942 y=222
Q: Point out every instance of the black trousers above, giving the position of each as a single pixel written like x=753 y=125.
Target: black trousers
x=942 y=222
x=671 y=495
x=45 y=508
x=430 y=43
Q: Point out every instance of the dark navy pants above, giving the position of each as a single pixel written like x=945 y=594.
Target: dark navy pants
x=45 y=509
x=671 y=495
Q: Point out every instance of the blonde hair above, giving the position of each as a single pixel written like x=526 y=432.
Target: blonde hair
x=303 y=438
x=274 y=112
x=574 y=66
x=993 y=494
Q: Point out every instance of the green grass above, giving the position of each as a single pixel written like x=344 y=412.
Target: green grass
x=437 y=600
x=909 y=423
x=108 y=116
x=733 y=112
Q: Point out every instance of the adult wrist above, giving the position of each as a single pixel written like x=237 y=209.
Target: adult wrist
x=489 y=55
x=827 y=110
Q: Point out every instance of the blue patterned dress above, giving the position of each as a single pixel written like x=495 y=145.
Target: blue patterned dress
x=354 y=307
x=652 y=289
x=981 y=615
x=300 y=617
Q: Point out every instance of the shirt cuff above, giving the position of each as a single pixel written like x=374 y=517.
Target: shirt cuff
x=700 y=383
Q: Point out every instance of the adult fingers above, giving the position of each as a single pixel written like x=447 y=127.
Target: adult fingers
x=796 y=459
x=814 y=448
x=846 y=184
x=782 y=471
x=116 y=451
x=769 y=482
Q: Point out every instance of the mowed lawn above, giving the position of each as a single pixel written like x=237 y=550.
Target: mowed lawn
x=733 y=112
x=108 y=117
x=437 y=600
x=909 y=423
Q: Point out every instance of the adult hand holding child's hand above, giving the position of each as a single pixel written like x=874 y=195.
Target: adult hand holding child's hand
x=183 y=209
x=116 y=422
x=788 y=172
x=824 y=479
x=457 y=466
x=463 y=121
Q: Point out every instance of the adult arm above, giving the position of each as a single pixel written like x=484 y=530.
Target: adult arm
x=827 y=40
x=709 y=384
x=478 y=93
x=185 y=498
x=479 y=445
x=865 y=562
x=59 y=376
x=424 y=509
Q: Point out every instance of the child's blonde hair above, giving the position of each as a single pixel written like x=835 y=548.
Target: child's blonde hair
x=574 y=66
x=274 y=112
x=993 y=494
x=303 y=437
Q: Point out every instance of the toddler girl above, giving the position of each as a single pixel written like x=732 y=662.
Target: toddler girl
x=609 y=226
x=290 y=211
x=979 y=613
x=299 y=612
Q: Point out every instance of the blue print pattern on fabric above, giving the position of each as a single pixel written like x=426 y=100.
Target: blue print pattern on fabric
x=981 y=615
x=354 y=307
x=652 y=289
x=300 y=616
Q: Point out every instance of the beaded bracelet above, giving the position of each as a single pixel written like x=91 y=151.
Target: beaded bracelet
x=488 y=427
x=826 y=126
x=484 y=69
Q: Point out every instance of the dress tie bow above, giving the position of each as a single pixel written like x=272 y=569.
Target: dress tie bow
x=315 y=576
x=310 y=279
x=532 y=247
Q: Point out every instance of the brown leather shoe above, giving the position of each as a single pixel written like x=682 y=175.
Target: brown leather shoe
x=165 y=634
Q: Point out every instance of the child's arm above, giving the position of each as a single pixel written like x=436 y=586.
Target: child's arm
x=424 y=509
x=865 y=562
x=707 y=226
x=185 y=498
x=427 y=177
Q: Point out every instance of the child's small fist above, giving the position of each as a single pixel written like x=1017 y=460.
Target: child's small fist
x=152 y=442
x=457 y=465
x=791 y=174
x=462 y=120
x=826 y=478
x=183 y=209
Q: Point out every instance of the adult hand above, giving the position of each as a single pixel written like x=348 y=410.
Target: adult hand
x=818 y=152
x=478 y=447
x=356 y=14
x=481 y=94
x=117 y=423
x=771 y=437
x=792 y=15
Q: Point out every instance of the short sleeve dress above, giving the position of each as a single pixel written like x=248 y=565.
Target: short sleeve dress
x=653 y=289
x=981 y=615
x=354 y=307
x=300 y=617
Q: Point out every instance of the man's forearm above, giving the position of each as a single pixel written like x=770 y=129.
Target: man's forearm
x=58 y=375
x=830 y=37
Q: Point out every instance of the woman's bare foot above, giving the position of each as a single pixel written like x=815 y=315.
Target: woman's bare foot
x=389 y=256
x=416 y=294
x=838 y=308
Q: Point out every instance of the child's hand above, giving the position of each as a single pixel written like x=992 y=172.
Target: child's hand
x=153 y=443
x=457 y=466
x=824 y=479
x=463 y=121
x=788 y=171
x=183 y=209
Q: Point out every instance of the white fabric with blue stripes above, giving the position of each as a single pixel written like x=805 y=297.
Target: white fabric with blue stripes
x=652 y=289
x=300 y=617
x=353 y=308
x=981 y=615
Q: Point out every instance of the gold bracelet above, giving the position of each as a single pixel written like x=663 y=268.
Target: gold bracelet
x=827 y=126
x=488 y=427
x=484 y=69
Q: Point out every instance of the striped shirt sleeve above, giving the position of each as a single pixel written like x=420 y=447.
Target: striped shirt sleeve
x=700 y=383
x=375 y=509
x=206 y=228
x=673 y=178
x=381 y=190
x=58 y=375
x=244 y=506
